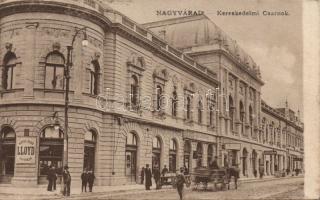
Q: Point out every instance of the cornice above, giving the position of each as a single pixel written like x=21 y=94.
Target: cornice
x=9 y=8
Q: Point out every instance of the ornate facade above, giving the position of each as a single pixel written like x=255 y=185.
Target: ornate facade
x=135 y=98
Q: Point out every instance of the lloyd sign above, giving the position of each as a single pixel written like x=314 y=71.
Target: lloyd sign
x=25 y=152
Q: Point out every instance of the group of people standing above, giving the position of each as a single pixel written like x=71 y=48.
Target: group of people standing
x=87 y=178
x=146 y=177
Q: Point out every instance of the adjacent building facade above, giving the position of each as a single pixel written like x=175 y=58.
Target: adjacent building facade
x=137 y=97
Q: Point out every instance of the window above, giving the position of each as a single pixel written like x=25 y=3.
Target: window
x=231 y=113
x=242 y=115
x=7 y=151
x=159 y=97
x=51 y=150
x=174 y=104
x=94 y=77
x=188 y=108
x=173 y=156
x=9 y=71
x=200 y=107
x=211 y=115
x=54 y=71
x=134 y=92
x=90 y=140
x=251 y=120
x=231 y=83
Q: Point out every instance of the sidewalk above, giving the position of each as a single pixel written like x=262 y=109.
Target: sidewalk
x=7 y=190
x=41 y=190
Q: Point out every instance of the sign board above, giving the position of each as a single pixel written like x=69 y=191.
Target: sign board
x=26 y=150
x=297 y=159
x=270 y=152
x=233 y=146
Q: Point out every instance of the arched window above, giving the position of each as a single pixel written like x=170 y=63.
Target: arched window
x=159 y=97
x=7 y=151
x=50 y=151
x=9 y=71
x=134 y=93
x=54 y=71
x=131 y=157
x=251 y=120
x=94 y=77
x=173 y=156
x=231 y=113
x=174 y=104
x=241 y=116
x=90 y=140
x=188 y=108
x=156 y=152
x=211 y=115
x=200 y=107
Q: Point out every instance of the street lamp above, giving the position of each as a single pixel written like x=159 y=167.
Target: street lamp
x=67 y=77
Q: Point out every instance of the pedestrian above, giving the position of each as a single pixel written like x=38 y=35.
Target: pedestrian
x=91 y=178
x=66 y=181
x=148 y=176
x=156 y=176
x=84 y=180
x=55 y=176
x=50 y=178
x=164 y=172
x=142 y=175
x=180 y=181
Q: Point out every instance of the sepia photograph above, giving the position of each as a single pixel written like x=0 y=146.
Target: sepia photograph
x=161 y=99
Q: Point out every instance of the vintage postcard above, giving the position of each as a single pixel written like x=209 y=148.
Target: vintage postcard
x=170 y=99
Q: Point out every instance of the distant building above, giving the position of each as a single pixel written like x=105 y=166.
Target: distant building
x=135 y=98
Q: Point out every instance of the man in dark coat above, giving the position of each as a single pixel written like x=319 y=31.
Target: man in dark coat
x=181 y=180
x=84 y=180
x=66 y=181
x=50 y=177
x=148 y=176
x=164 y=172
x=91 y=178
x=156 y=176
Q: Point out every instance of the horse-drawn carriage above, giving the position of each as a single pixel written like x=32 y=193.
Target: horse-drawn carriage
x=221 y=178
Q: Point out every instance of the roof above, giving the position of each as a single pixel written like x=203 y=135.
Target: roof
x=199 y=30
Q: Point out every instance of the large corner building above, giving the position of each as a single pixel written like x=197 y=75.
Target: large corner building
x=176 y=92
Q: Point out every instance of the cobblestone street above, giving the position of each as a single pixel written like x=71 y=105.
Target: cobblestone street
x=279 y=189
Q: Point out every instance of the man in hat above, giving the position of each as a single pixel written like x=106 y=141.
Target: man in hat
x=148 y=176
x=180 y=181
x=66 y=181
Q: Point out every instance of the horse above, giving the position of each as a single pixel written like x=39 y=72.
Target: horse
x=232 y=172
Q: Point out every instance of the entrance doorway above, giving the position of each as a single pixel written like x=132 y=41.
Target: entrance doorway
x=244 y=161
x=90 y=140
x=187 y=153
x=7 y=154
x=156 y=153
x=131 y=157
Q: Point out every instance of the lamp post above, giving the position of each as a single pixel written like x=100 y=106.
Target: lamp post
x=67 y=77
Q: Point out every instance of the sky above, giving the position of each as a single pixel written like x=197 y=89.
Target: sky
x=274 y=42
